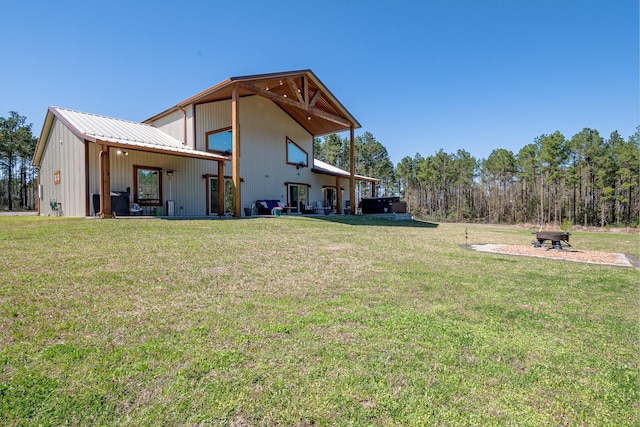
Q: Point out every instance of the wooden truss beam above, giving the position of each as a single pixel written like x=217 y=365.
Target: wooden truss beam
x=301 y=105
x=294 y=87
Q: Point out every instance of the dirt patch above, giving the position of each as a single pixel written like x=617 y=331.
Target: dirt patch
x=592 y=257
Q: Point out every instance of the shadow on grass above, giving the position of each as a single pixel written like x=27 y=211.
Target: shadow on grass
x=338 y=219
x=371 y=220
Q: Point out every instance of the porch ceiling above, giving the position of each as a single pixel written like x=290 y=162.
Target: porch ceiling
x=299 y=93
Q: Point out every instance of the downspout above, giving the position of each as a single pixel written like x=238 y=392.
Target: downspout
x=184 y=112
x=39 y=192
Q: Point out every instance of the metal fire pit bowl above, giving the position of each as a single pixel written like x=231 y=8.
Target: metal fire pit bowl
x=555 y=237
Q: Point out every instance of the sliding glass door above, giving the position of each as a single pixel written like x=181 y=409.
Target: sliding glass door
x=214 y=189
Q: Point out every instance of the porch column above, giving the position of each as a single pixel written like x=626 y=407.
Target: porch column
x=373 y=189
x=352 y=167
x=235 y=147
x=105 y=183
x=338 y=196
x=221 y=188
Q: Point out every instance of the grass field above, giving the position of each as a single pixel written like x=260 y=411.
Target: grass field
x=310 y=321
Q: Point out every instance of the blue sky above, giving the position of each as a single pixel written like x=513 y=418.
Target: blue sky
x=419 y=75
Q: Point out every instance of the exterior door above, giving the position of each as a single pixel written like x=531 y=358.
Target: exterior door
x=298 y=196
x=330 y=197
x=214 y=188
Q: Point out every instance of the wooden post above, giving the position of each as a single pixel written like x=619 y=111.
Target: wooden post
x=352 y=167
x=338 y=196
x=221 y=188
x=87 y=185
x=235 y=143
x=105 y=183
x=373 y=189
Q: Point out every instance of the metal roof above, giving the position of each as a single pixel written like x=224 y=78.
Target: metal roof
x=118 y=133
x=327 y=169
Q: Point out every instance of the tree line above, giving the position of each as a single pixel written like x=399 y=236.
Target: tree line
x=17 y=176
x=585 y=180
x=371 y=159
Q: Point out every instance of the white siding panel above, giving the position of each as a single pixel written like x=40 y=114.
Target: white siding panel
x=172 y=124
x=64 y=152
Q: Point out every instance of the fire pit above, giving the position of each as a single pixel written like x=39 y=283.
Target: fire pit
x=554 y=236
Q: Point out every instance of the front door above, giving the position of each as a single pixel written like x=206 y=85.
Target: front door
x=214 y=188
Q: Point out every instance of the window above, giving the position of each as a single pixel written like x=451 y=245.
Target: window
x=296 y=155
x=219 y=141
x=148 y=185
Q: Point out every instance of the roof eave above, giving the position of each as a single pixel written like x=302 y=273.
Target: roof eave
x=161 y=150
x=42 y=139
x=344 y=175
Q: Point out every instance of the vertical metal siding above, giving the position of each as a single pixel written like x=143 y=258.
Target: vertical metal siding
x=172 y=124
x=63 y=152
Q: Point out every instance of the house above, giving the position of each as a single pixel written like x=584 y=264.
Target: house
x=245 y=139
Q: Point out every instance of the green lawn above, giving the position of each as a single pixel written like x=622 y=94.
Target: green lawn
x=309 y=321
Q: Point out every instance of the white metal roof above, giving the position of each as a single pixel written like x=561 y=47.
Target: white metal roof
x=125 y=133
x=322 y=167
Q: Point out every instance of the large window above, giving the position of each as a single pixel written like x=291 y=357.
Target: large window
x=219 y=141
x=148 y=185
x=296 y=155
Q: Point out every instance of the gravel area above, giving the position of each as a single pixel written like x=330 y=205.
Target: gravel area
x=593 y=257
